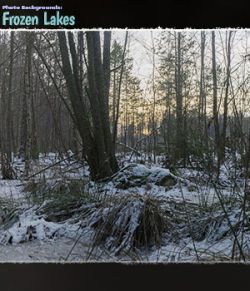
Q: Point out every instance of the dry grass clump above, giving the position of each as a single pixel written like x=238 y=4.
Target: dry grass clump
x=74 y=206
x=40 y=190
x=129 y=223
x=34 y=186
x=9 y=212
x=60 y=200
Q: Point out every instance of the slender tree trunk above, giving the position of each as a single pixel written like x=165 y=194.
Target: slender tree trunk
x=34 y=136
x=117 y=111
x=154 y=102
x=9 y=101
x=24 y=109
x=179 y=101
x=6 y=147
x=202 y=99
x=215 y=106
x=225 y=114
x=28 y=93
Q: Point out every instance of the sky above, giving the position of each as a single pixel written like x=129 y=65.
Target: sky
x=140 y=46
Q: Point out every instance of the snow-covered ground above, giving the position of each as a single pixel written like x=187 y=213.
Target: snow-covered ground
x=32 y=238
x=11 y=189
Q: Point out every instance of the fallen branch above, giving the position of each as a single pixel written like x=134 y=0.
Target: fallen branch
x=132 y=149
x=51 y=166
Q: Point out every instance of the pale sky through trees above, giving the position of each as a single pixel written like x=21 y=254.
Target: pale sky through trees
x=140 y=49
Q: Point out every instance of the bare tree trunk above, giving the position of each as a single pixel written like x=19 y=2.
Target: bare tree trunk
x=225 y=114
x=179 y=101
x=114 y=93
x=34 y=137
x=28 y=93
x=117 y=107
x=6 y=150
x=215 y=106
x=79 y=112
x=9 y=101
x=96 y=139
x=154 y=102
x=99 y=78
x=80 y=57
x=202 y=99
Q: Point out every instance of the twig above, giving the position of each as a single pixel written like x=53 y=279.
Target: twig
x=127 y=146
x=229 y=222
x=51 y=166
x=188 y=220
x=142 y=139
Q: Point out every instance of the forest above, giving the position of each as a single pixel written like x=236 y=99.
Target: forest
x=125 y=145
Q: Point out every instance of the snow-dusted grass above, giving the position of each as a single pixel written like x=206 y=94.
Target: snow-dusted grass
x=11 y=189
x=188 y=198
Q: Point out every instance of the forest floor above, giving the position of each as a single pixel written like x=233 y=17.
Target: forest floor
x=143 y=213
